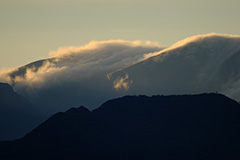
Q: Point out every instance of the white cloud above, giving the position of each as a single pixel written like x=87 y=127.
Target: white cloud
x=202 y=63
x=74 y=70
x=4 y=74
x=37 y=79
x=215 y=40
x=122 y=83
x=85 y=61
x=99 y=45
x=88 y=75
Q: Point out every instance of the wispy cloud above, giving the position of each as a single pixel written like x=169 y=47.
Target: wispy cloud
x=122 y=83
x=202 y=63
x=4 y=74
x=97 y=57
x=37 y=79
x=95 y=46
x=72 y=70
x=199 y=38
x=95 y=72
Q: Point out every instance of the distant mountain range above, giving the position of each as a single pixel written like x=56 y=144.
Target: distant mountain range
x=17 y=115
x=205 y=126
x=92 y=74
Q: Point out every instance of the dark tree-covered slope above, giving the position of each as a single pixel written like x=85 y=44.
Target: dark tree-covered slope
x=205 y=126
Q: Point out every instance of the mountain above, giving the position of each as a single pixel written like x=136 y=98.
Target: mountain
x=17 y=115
x=202 y=63
x=76 y=75
x=89 y=75
x=205 y=126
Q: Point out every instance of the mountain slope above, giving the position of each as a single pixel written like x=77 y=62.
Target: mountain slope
x=74 y=73
x=202 y=126
x=92 y=74
x=203 y=63
x=17 y=115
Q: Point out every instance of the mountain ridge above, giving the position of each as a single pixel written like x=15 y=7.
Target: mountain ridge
x=17 y=115
x=90 y=76
x=204 y=126
x=203 y=63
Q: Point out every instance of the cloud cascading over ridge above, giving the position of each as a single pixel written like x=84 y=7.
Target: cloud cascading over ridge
x=78 y=66
x=202 y=63
x=93 y=58
x=99 y=45
x=90 y=74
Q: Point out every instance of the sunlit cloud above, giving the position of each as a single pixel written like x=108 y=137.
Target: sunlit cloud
x=71 y=71
x=99 y=45
x=4 y=74
x=36 y=79
x=75 y=63
x=202 y=63
x=102 y=70
x=122 y=83
x=198 y=38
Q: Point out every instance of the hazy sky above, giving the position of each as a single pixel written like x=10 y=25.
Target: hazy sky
x=29 y=29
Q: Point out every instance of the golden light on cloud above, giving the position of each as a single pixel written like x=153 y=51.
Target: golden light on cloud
x=83 y=62
x=37 y=77
x=196 y=62
x=122 y=83
x=197 y=38
x=97 y=45
x=4 y=74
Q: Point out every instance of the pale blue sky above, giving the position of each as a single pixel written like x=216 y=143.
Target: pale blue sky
x=29 y=29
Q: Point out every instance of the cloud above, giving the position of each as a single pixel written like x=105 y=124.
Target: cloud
x=213 y=39
x=70 y=71
x=84 y=61
x=88 y=75
x=37 y=79
x=122 y=83
x=202 y=63
x=99 y=45
x=4 y=74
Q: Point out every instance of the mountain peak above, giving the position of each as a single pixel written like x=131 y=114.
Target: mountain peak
x=78 y=110
x=202 y=63
x=206 y=39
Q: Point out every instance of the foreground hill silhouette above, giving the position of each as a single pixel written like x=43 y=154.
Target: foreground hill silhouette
x=205 y=126
x=17 y=115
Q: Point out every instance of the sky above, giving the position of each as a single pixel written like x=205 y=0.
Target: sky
x=30 y=29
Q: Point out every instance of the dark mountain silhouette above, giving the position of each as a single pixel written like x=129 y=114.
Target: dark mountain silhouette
x=17 y=115
x=205 y=126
